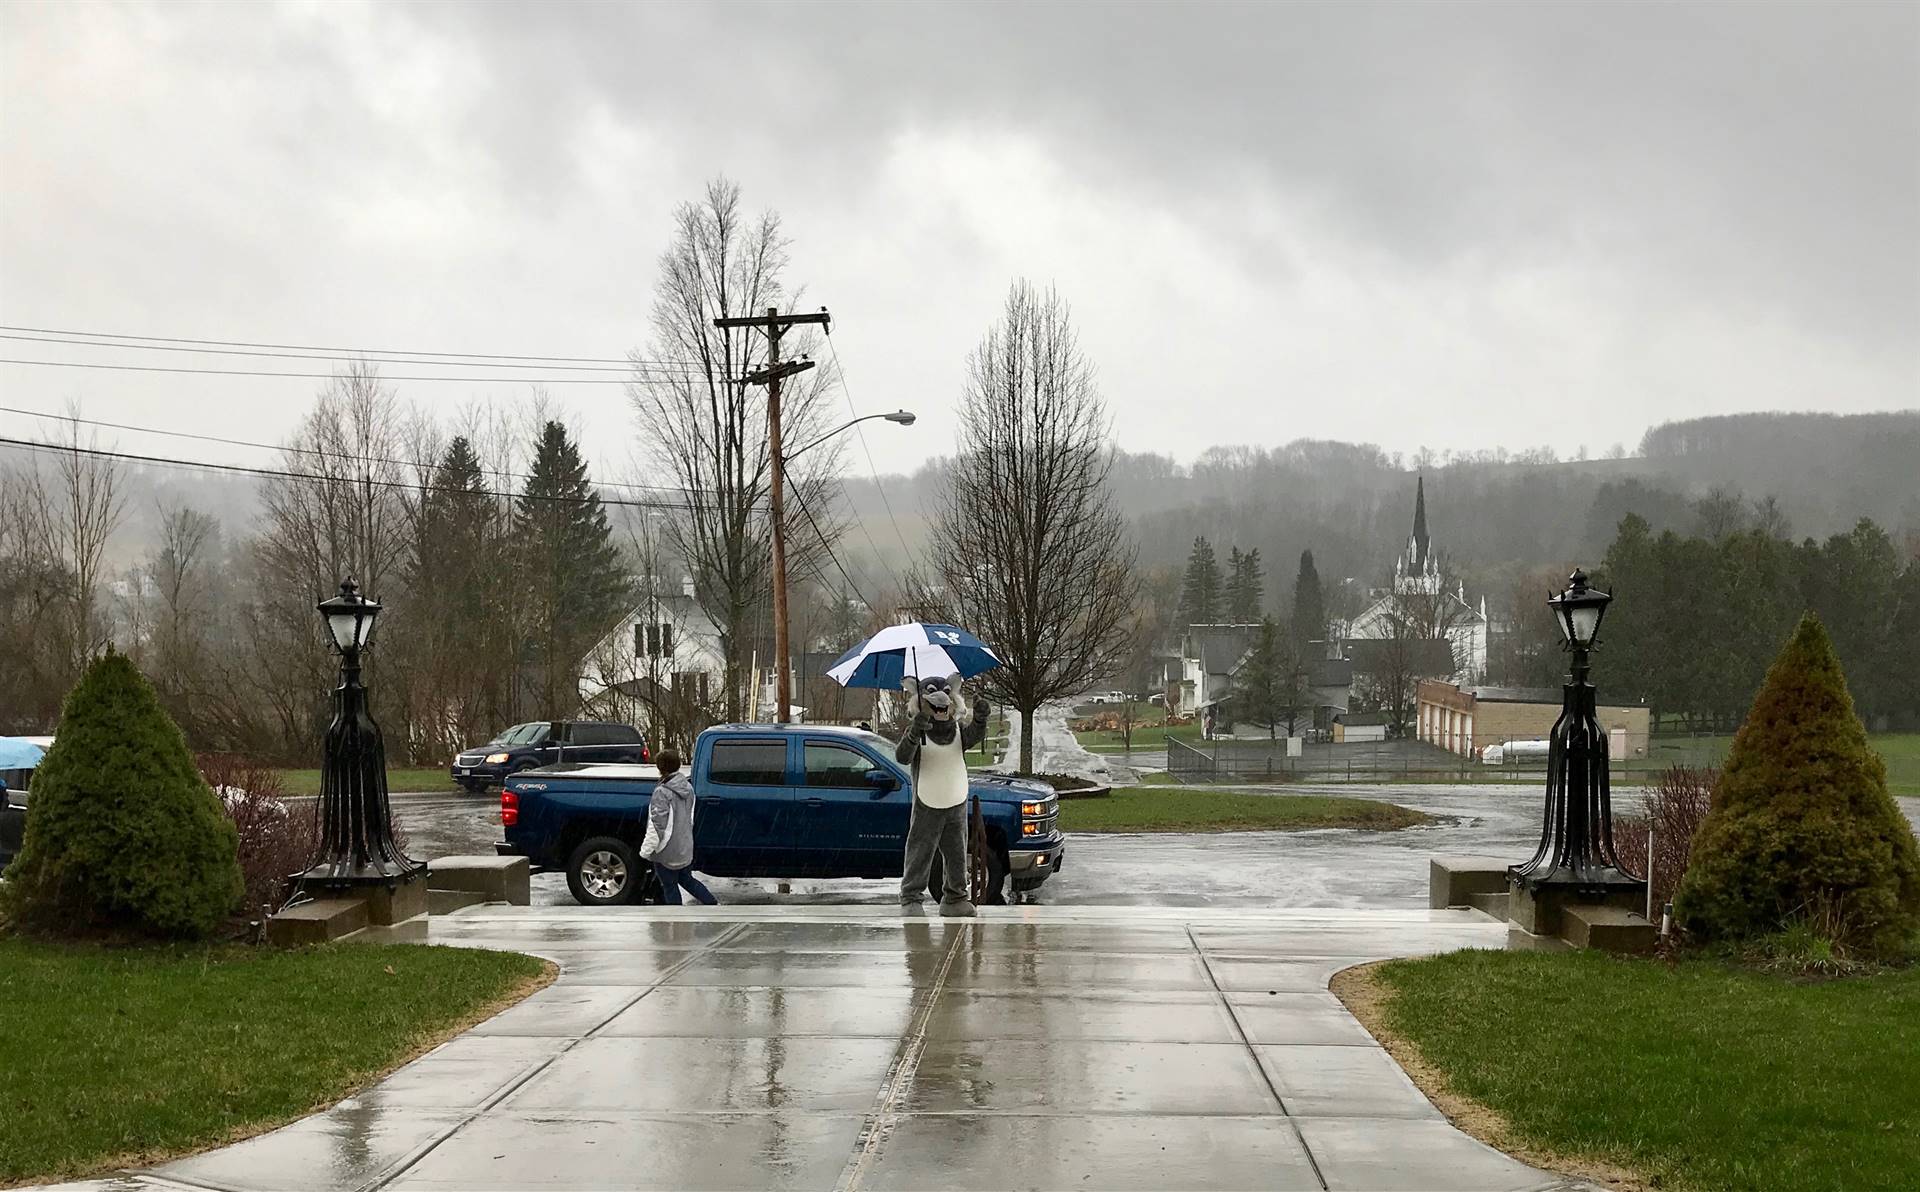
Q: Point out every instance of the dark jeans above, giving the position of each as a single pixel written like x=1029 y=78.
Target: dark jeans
x=672 y=881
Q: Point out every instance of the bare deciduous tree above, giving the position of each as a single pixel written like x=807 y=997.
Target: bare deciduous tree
x=702 y=426
x=77 y=513
x=1032 y=555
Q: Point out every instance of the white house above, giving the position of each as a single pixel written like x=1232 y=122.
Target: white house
x=667 y=646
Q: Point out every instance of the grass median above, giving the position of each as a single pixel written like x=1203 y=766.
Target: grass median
x=118 y=1056
x=399 y=778
x=1164 y=809
x=1698 y=1074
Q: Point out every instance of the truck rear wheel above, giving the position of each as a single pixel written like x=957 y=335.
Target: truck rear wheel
x=605 y=871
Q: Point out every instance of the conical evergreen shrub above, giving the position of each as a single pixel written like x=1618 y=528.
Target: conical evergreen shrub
x=1802 y=828
x=123 y=836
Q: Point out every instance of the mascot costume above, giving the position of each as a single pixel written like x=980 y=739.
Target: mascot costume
x=935 y=747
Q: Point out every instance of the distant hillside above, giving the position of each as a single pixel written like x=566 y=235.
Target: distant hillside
x=1491 y=512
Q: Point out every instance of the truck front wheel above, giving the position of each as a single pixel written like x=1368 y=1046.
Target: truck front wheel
x=605 y=871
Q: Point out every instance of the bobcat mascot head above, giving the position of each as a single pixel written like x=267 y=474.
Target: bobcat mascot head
x=936 y=703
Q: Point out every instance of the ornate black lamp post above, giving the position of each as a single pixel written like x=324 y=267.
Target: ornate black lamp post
x=357 y=848
x=1576 y=861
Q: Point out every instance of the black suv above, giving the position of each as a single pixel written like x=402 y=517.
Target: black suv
x=544 y=743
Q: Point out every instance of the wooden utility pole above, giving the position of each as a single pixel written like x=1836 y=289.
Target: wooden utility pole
x=773 y=323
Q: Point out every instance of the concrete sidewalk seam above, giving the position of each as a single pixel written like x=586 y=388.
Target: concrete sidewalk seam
x=906 y=1064
x=1246 y=1041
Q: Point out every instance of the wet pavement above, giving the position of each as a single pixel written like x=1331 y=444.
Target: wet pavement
x=1330 y=868
x=854 y=1048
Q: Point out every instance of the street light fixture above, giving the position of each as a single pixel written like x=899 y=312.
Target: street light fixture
x=1576 y=860
x=356 y=825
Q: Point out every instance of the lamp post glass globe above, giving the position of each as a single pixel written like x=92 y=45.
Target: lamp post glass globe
x=1578 y=611
x=349 y=618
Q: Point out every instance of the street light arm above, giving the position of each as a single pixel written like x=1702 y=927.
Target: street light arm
x=903 y=417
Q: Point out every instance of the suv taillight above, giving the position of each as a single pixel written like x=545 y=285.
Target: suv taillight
x=509 y=809
x=645 y=756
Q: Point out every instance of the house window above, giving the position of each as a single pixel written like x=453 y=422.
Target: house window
x=653 y=641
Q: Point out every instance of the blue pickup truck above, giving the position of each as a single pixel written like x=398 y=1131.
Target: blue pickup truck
x=772 y=801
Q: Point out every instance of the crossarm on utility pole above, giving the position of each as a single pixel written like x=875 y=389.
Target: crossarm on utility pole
x=773 y=323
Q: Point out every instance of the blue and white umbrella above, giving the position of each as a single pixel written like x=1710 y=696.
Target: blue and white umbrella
x=912 y=649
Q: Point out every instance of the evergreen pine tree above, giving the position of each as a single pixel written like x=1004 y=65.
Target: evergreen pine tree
x=1268 y=688
x=1200 y=589
x=1802 y=826
x=1309 y=604
x=1246 y=586
x=123 y=836
x=569 y=568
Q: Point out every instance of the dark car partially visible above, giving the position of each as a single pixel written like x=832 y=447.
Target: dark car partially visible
x=547 y=743
x=13 y=815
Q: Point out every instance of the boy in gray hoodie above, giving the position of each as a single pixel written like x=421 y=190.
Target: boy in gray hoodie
x=671 y=812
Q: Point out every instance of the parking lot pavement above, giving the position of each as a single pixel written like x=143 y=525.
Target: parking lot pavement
x=854 y=1048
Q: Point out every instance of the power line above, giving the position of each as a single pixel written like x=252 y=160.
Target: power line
x=238 y=343
x=246 y=372
x=840 y=373
x=282 y=474
x=628 y=365
x=323 y=454
x=828 y=547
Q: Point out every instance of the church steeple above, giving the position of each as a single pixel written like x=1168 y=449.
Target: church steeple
x=1420 y=525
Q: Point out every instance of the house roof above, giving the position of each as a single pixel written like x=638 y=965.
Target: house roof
x=1514 y=695
x=1428 y=657
x=1219 y=648
x=1330 y=672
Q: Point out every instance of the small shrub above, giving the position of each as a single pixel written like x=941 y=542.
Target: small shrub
x=1675 y=808
x=123 y=837
x=276 y=839
x=1802 y=827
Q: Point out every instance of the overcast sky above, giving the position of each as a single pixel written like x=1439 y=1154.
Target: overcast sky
x=1435 y=224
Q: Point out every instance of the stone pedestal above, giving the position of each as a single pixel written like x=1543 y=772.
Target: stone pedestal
x=1454 y=881
x=1541 y=909
x=337 y=914
x=495 y=879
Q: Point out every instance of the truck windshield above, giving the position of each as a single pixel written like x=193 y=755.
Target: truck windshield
x=522 y=734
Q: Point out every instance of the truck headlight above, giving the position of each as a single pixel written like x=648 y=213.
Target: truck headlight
x=498 y=759
x=1029 y=829
x=1036 y=810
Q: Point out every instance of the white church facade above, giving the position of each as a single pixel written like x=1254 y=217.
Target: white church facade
x=1415 y=604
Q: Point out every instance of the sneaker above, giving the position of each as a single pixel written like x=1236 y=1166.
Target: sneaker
x=957 y=910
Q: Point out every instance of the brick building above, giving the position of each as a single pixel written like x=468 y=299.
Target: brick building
x=1465 y=720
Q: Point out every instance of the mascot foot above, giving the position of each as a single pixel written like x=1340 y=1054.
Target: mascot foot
x=957 y=910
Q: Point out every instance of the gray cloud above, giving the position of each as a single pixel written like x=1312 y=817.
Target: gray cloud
x=1444 y=224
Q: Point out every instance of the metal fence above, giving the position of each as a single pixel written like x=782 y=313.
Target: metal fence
x=1243 y=760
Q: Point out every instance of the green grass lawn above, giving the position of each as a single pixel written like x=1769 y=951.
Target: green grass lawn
x=111 y=1056
x=399 y=778
x=1159 y=809
x=1901 y=751
x=1695 y=1075
x=1147 y=736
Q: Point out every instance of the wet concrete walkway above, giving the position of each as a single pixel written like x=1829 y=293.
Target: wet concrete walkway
x=854 y=1048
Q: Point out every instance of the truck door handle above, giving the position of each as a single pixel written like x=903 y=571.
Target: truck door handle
x=816 y=802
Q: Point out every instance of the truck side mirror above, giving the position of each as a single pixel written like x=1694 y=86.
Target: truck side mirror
x=882 y=779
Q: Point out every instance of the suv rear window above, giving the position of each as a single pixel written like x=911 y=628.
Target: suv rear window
x=749 y=763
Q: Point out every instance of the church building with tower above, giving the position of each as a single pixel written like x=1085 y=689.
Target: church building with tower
x=1417 y=607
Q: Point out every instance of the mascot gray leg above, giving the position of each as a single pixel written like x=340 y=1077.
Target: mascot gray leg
x=942 y=832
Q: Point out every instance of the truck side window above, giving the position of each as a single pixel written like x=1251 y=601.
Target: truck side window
x=749 y=763
x=837 y=766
